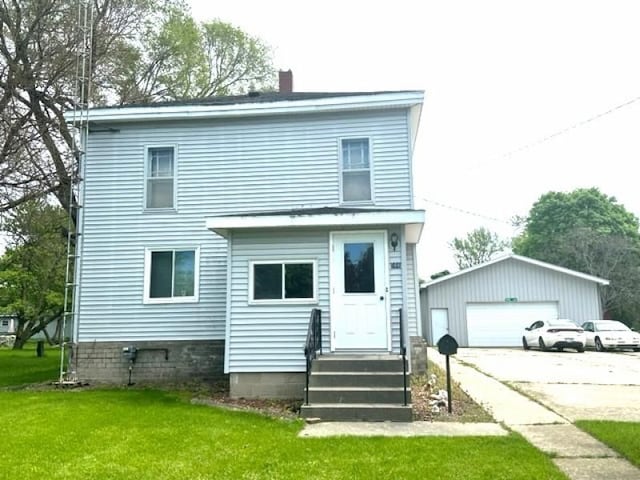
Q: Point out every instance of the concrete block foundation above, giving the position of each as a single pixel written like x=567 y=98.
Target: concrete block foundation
x=156 y=362
x=284 y=385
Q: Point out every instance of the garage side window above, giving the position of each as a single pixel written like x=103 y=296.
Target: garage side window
x=285 y=281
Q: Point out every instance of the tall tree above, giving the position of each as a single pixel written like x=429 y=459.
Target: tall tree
x=479 y=246
x=141 y=51
x=32 y=270
x=588 y=231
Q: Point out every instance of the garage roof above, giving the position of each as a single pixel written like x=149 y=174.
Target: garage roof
x=520 y=258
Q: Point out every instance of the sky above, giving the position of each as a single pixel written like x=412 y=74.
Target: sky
x=521 y=97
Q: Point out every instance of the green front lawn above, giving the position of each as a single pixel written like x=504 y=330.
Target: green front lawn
x=19 y=367
x=624 y=437
x=151 y=434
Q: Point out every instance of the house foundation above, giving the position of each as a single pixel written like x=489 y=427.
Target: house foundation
x=155 y=361
x=284 y=385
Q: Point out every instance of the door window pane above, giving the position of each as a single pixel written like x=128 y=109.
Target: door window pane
x=359 y=274
x=267 y=281
x=298 y=280
x=161 y=268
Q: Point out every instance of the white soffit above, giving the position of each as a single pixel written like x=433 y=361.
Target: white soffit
x=413 y=221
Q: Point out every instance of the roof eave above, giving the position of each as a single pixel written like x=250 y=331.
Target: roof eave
x=528 y=260
x=328 y=104
x=412 y=220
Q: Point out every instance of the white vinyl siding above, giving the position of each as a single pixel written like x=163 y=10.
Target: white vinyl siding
x=221 y=167
x=269 y=337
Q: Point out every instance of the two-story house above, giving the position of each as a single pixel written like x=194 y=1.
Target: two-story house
x=212 y=228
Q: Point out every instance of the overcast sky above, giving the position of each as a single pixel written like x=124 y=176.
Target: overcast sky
x=498 y=76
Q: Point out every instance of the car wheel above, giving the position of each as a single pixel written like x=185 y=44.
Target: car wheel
x=599 y=346
x=636 y=349
x=543 y=347
x=525 y=345
x=580 y=349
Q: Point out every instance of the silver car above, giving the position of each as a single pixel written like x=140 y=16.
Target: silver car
x=609 y=334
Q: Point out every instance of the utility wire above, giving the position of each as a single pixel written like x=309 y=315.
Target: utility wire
x=466 y=212
x=559 y=132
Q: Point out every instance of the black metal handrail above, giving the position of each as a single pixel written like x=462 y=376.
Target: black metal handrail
x=403 y=352
x=312 y=345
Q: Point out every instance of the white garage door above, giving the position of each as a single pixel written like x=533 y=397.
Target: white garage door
x=501 y=324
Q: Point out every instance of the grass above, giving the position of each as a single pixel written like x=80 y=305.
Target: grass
x=20 y=367
x=152 y=434
x=624 y=437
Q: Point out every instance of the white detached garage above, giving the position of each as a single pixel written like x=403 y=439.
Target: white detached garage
x=489 y=305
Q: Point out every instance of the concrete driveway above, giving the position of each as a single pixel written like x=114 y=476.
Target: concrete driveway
x=590 y=385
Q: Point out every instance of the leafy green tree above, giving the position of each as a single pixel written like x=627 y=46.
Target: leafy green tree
x=477 y=247
x=32 y=269
x=141 y=51
x=588 y=231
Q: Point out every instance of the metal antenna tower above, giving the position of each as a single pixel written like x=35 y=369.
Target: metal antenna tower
x=80 y=130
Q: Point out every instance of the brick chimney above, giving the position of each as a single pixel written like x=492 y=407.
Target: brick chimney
x=285 y=78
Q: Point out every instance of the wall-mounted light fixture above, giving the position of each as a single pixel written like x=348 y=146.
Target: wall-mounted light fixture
x=393 y=240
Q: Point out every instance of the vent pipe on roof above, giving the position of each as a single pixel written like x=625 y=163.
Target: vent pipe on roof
x=285 y=78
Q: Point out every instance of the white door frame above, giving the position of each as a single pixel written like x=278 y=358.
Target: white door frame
x=387 y=289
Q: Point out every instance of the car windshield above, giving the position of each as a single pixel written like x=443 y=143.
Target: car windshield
x=611 y=327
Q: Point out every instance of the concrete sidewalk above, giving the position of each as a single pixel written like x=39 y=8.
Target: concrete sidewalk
x=398 y=429
x=578 y=455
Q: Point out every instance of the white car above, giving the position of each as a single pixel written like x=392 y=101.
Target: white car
x=560 y=334
x=610 y=334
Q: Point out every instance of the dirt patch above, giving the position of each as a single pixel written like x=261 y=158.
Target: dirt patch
x=424 y=389
x=464 y=409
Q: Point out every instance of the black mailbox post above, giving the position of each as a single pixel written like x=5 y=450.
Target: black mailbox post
x=447 y=345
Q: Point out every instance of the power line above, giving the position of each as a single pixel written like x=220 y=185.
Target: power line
x=466 y=212
x=559 y=132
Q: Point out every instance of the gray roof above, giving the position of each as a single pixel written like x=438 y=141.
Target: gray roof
x=253 y=97
x=519 y=258
x=313 y=211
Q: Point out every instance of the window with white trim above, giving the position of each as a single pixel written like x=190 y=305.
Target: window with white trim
x=171 y=275
x=289 y=281
x=160 y=181
x=356 y=170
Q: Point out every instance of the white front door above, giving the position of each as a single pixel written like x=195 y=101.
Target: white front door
x=359 y=291
x=439 y=324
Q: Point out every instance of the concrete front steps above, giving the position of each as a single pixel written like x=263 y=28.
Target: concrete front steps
x=358 y=387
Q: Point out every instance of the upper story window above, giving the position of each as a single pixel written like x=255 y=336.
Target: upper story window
x=160 y=181
x=171 y=276
x=356 y=170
